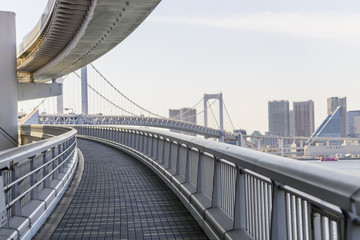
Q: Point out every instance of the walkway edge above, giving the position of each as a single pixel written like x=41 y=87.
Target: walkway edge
x=54 y=219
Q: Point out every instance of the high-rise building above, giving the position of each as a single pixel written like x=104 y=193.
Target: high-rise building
x=350 y=124
x=279 y=118
x=292 y=123
x=304 y=118
x=332 y=104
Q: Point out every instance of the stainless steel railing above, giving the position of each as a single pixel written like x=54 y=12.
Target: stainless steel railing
x=34 y=176
x=241 y=192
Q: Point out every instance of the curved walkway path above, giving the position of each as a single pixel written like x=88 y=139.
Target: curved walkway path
x=120 y=198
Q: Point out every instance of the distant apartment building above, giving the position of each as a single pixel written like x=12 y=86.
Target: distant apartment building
x=332 y=105
x=356 y=127
x=350 y=122
x=292 y=123
x=304 y=119
x=183 y=114
x=279 y=117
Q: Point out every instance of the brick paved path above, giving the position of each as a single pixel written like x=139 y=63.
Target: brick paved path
x=120 y=198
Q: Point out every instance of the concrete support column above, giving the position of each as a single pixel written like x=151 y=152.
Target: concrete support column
x=60 y=100
x=8 y=82
x=84 y=92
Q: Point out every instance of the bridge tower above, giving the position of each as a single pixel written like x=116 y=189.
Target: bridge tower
x=8 y=81
x=84 y=92
x=219 y=97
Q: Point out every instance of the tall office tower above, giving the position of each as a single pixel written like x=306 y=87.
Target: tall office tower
x=279 y=118
x=332 y=104
x=350 y=124
x=304 y=118
x=292 y=123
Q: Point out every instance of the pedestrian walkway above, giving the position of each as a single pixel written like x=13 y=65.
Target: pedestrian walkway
x=120 y=198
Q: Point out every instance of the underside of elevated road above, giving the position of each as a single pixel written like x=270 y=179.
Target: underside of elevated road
x=120 y=198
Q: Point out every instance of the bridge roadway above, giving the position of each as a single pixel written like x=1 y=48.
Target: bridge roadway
x=120 y=198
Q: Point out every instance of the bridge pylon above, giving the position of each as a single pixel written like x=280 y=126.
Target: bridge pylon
x=219 y=97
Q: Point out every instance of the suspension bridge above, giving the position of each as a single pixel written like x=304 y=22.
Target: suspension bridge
x=102 y=103
x=93 y=181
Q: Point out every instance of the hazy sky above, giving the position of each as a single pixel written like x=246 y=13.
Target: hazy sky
x=251 y=51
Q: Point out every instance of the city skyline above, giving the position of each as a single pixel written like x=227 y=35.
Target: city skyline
x=251 y=52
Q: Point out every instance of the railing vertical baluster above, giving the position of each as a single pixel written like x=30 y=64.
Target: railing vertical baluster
x=33 y=179
x=240 y=201
x=278 y=214
x=216 y=194
x=179 y=160
x=188 y=165
x=200 y=184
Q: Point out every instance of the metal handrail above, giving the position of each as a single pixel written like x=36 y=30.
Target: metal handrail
x=15 y=155
x=7 y=187
x=10 y=204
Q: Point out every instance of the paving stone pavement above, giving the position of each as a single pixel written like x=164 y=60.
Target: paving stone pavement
x=120 y=198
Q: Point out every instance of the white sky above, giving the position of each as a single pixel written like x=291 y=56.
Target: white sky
x=252 y=52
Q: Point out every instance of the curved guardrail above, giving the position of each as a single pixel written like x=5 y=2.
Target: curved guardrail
x=34 y=178
x=237 y=193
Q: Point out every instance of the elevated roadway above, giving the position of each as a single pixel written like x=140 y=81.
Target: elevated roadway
x=70 y=34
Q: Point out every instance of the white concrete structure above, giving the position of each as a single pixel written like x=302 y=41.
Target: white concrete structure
x=8 y=89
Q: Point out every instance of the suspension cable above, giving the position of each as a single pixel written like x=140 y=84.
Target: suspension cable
x=106 y=99
x=228 y=115
x=151 y=113
x=212 y=112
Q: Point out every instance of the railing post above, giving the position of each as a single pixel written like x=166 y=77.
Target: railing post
x=171 y=159
x=33 y=179
x=143 y=143
x=352 y=230
x=188 y=165
x=278 y=213
x=3 y=213
x=145 y=149
x=158 y=149
x=63 y=157
x=16 y=208
x=139 y=141
x=46 y=183
x=200 y=184
x=216 y=194
x=240 y=202
x=164 y=151
x=178 y=160
x=54 y=163
x=152 y=146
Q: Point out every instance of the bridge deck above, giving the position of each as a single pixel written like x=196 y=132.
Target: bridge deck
x=120 y=198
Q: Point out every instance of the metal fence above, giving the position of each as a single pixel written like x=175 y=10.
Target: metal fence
x=244 y=193
x=34 y=177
